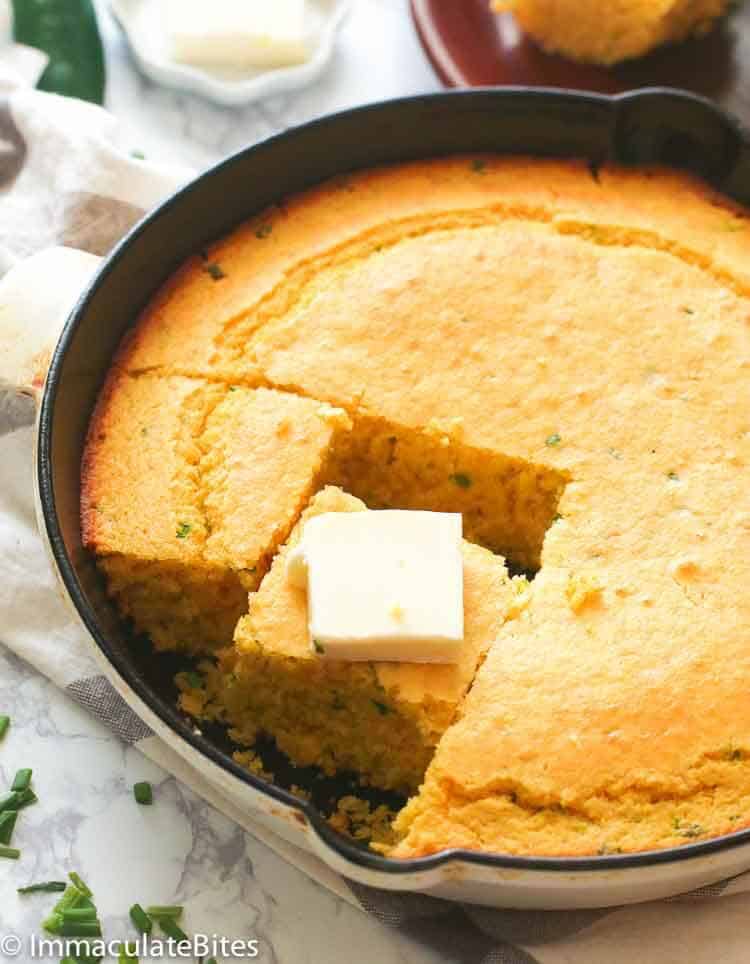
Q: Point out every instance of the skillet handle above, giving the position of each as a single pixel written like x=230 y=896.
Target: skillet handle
x=36 y=298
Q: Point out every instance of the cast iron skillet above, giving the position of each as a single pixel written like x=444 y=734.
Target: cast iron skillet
x=655 y=126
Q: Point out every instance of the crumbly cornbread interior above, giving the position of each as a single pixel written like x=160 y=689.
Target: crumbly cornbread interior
x=562 y=355
x=630 y=28
x=380 y=720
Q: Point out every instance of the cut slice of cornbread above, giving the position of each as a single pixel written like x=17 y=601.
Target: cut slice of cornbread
x=188 y=487
x=583 y=30
x=381 y=720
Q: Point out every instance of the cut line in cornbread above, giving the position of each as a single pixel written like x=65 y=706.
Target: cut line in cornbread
x=188 y=488
x=381 y=720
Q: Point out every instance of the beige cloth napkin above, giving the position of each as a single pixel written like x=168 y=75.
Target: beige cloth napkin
x=65 y=179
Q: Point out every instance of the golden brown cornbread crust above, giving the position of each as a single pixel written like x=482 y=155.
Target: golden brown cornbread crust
x=585 y=30
x=595 y=327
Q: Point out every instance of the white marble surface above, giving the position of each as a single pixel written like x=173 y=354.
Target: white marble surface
x=181 y=850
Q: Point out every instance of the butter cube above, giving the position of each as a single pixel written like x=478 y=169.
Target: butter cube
x=237 y=33
x=382 y=585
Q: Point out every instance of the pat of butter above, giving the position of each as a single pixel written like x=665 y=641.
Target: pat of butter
x=382 y=585
x=237 y=33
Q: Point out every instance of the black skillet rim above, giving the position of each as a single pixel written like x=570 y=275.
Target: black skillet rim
x=335 y=841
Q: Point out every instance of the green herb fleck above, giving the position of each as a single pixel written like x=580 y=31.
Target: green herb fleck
x=734 y=754
x=478 y=165
x=382 y=708
x=232 y=388
x=553 y=440
x=22 y=780
x=264 y=231
x=692 y=830
x=557 y=517
x=9 y=853
x=142 y=922
x=687 y=830
x=79 y=884
x=688 y=311
x=318 y=646
x=143 y=793
x=605 y=849
x=172 y=929
x=4 y=724
x=7 y=826
x=193 y=679
x=127 y=954
x=214 y=270
x=138 y=155
x=462 y=480
x=615 y=453
x=158 y=911
x=183 y=530
x=49 y=887
x=673 y=477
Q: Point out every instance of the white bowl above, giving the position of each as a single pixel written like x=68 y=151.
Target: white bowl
x=141 y=21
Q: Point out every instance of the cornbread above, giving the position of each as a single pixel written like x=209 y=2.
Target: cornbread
x=188 y=488
x=630 y=28
x=562 y=355
x=381 y=720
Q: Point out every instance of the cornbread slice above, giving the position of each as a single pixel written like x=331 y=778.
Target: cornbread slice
x=188 y=487
x=381 y=720
x=580 y=29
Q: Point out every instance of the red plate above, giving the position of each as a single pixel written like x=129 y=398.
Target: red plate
x=469 y=46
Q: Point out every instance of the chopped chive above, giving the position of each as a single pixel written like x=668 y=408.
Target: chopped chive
x=462 y=480
x=7 y=825
x=478 y=165
x=382 y=708
x=127 y=954
x=17 y=800
x=157 y=912
x=673 y=477
x=49 y=887
x=183 y=530
x=319 y=647
x=553 y=440
x=263 y=231
x=215 y=271
x=143 y=794
x=25 y=798
x=193 y=679
x=69 y=960
x=79 y=884
x=140 y=919
x=72 y=897
x=172 y=929
x=22 y=780
x=79 y=928
x=4 y=724
x=10 y=853
x=79 y=914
